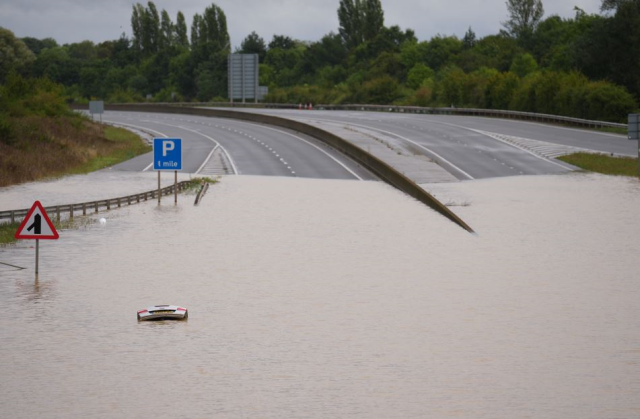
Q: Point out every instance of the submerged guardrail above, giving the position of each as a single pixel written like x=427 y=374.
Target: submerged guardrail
x=381 y=169
x=94 y=206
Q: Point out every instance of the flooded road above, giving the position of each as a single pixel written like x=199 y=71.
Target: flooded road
x=336 y=299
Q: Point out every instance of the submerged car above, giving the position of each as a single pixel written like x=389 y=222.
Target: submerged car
x=163 y=312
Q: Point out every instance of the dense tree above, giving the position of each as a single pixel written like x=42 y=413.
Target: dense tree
x=37 y=45
x=360 y=21
x=282 y=42
x=254 y=44
x=167 y=32
x=373 y=18
x=181 y=38
x=524 y=17
x=469 y=40
x=555 y=65
x=14 y=54
x=523 y=65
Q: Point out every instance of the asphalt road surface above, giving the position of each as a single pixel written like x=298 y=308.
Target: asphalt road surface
x=471 y=147
x=224 y=146
x=467 y=147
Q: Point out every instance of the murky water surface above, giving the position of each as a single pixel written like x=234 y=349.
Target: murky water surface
x=103 y=184
x=336 y=299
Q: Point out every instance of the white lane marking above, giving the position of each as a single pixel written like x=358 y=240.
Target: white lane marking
x=497 y=138
x=207 y=159
x=486 y=134
x=408 y=140
x=233 y=165
x=313 y=145
x=143 y=129
x=540 y=124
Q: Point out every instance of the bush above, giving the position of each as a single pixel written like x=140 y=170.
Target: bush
x=418 y=74
x=449 y=86
x=609 y=102
x=383 y=90
x=42 y=97
x=500 y=90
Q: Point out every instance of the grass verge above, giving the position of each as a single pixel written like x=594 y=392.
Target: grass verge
x=125 y=145
x=600 y=163
x=44 y=147
x=8 y=230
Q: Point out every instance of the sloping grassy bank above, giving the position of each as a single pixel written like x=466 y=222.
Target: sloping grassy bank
x=40 y=137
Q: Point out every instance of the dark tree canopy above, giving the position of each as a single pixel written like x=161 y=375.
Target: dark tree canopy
x=254 y=44
x=524 y=17
x=360 y=21
x=181 y=38
x=282 y=42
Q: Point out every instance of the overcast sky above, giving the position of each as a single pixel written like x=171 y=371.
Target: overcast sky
x=70 y=21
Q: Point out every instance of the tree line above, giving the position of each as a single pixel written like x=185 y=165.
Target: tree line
x=584 y=66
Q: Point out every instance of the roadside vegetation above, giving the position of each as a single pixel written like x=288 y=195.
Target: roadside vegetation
x=602 y=163
x=8 y=230
x=583 y=66
x=40 y=137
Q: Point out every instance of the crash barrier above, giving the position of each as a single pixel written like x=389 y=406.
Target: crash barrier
x=203 y=190
x=370 y=162
x=93 y=206
x=493 y=113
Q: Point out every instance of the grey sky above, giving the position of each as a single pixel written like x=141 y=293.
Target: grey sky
x=98 y=20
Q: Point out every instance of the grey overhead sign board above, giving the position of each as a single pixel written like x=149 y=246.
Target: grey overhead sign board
x=243 y=77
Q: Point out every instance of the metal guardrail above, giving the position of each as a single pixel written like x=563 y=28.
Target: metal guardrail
x=527 y=116
x=93 y=206
x=495 y=113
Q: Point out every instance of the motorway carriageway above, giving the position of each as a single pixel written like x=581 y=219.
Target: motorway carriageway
x=468 y=147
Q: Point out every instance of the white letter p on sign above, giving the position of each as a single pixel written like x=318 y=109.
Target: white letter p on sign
x=167 y=146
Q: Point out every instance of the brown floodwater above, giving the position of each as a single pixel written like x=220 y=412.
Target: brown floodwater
x=335 y=299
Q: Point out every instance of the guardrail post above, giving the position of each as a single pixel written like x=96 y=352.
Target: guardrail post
x=95 y=204
x=118 y=202
x=58 y=213
x=13 y=217
x=129 y=200
x=71 y=212
x=84 y=209
x=108 y=205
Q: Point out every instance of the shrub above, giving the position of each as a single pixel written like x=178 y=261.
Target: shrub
x=418 y=74
x=382 y=90
x=500 y=90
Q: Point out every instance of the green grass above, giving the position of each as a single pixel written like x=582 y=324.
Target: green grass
x=621 y=131
x=600 y=163
x=126 y=145
x=8 y=230
x=194 y=184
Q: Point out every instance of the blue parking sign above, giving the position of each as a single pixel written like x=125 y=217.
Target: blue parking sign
x=167 y=154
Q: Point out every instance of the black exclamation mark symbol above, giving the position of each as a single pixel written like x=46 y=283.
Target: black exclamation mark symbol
x=37 y=225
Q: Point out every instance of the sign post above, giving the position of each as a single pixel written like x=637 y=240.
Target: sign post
x=167 y=155
x=36 y=226
x=634 y=132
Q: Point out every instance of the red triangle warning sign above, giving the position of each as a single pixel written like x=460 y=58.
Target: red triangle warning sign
x=37 y=225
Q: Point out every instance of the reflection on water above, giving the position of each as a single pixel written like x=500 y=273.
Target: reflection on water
x=316 y=299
